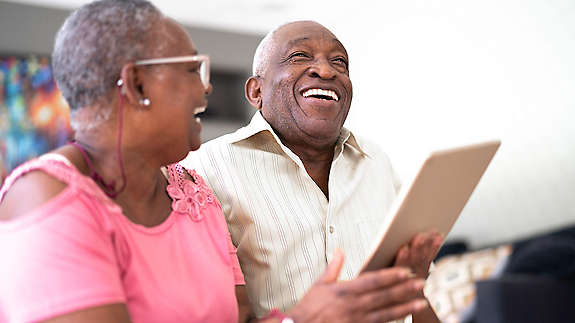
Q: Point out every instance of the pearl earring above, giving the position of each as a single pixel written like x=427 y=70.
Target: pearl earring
x=145 y=102
x=119 y=84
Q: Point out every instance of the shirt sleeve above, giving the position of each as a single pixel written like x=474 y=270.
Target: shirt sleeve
x=56 y=260
x=237 y=270
x=396 y=181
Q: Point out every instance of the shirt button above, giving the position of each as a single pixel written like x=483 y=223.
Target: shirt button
x=331 y=229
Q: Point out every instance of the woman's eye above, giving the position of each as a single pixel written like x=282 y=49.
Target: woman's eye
x=193 y=68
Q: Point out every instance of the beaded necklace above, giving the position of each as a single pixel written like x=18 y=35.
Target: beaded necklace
x=108 y=187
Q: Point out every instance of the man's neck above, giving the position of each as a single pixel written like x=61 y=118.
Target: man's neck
x=316 y=159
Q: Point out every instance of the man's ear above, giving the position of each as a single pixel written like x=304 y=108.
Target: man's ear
x=132 y=88
x=253 y=91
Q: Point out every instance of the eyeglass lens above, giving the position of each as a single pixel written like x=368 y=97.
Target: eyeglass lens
x=205 y=74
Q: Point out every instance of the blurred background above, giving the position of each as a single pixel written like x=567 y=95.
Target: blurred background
x=426 y=74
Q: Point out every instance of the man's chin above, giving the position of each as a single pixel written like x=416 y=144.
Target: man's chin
x=322 y=130
x=318 y=125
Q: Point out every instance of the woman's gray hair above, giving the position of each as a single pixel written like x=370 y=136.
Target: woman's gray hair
x=94 y=43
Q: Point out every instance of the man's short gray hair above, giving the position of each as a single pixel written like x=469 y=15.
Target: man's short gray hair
x=267 y=46
x=95 y=42
x=264 y=49
x=261 y=56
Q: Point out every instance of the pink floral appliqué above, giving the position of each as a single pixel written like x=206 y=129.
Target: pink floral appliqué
x=190 y=199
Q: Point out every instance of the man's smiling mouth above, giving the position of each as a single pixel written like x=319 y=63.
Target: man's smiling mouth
x=320 y=94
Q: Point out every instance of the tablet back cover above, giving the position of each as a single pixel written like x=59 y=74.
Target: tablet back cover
x=433 y=200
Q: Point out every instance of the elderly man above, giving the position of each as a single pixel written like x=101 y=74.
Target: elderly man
x=294 y=184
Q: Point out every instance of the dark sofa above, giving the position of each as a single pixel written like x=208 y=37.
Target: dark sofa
x=525 y=299
x=537 y=285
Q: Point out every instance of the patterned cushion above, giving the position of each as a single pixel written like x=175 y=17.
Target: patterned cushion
x=450 y=287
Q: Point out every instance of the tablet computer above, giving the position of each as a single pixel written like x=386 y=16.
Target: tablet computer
x=433 y=200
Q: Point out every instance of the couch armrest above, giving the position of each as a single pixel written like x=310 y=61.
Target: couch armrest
x=525 y=299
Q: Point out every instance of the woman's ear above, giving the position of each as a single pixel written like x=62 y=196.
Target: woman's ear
x=132 y=85
x=253 y=91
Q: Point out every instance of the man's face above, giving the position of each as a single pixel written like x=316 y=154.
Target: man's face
x=306 y=90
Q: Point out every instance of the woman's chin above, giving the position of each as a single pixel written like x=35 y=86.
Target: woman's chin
x=195 y=144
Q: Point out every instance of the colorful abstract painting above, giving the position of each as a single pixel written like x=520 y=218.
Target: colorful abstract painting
x=34 y=117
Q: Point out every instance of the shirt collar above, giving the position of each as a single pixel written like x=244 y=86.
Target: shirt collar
x=347 y=138
x=259 y=124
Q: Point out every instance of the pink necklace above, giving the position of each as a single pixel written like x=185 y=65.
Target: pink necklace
x=108 y=187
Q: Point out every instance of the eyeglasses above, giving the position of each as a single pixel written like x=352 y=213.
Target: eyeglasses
x=203 y=68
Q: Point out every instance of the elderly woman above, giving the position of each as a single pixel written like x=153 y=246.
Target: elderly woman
x=100 y=231
x=95 y=230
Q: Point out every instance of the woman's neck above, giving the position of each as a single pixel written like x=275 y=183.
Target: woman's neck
x=144 y=197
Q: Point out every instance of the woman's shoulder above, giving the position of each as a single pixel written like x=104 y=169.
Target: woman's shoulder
x=36 y=183
x=179 y=174
x=190 y=193
x=28 y=193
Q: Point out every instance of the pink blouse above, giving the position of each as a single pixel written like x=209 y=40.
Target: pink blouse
x=78 y=251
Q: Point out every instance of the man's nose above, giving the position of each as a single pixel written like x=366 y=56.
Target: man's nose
x=209 y=89
x=323 y=69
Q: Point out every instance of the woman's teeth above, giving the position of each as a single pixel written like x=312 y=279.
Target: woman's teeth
x=199 y=110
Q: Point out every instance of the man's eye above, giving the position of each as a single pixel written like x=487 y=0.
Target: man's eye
x=341 y=61
x=298 y=54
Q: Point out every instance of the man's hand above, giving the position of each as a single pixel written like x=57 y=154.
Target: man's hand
x=377 y=296
x=419 y=253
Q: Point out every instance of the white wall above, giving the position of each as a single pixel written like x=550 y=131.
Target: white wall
x=432 y=74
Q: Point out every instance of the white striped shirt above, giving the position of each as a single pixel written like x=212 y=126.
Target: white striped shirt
x=284 y=228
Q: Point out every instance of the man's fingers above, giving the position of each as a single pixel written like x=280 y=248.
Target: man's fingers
x=333 y=268
x=437 y=242
x=397 y=312
x=397 y=294
x=432 y=245
x=376 y=280
x=425 y=245
x=402 y=257
x=420 y=240
x=424 y=238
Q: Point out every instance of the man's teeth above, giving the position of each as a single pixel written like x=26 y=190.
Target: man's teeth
x=323 y=92
x=199 y=110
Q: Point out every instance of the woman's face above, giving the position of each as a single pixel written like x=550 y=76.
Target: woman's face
x=175 y=91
